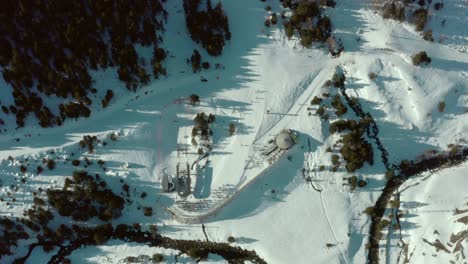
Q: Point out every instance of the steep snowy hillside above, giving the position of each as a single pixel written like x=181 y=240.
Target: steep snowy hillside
x=297 y=203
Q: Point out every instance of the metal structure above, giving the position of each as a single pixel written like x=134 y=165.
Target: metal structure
x=183 y=180
x=167 y=183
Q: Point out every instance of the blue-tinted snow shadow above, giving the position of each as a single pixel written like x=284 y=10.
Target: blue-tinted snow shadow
x=448 y=65
x=346 y=17
x=202 y=187
x=396 y=138
x=154 y=97
x=269 y=187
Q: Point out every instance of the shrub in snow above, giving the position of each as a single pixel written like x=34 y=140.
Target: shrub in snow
x=441 y=106
x=420 y=18
x=88 y=141
x=338 y=79
x=157 y=258
x=321 y=112
x=316 y=100
x=341 y=109
x=148 y=211
x=428 y=36
x=328 y=83
x=23 y=169
x=438 y=6
x=109 y=95
x=113 y=136
x=194 y=99
x=206 y=65
x=421 y=58
x=232 y=129
x=195 y=59
x=159 y=55
x=356 y=150
x=274 y=19
x=352 y=182
x=370 y=211
x=50 y=164
x=362 y=183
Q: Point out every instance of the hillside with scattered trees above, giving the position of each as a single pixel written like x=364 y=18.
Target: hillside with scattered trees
x=55 y=60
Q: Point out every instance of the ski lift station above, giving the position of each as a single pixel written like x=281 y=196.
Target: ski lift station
x=180 y=183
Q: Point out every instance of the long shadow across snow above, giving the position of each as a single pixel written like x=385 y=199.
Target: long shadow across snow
x=270 y=187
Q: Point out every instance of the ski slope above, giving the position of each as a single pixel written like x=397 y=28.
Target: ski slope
x=266 y=86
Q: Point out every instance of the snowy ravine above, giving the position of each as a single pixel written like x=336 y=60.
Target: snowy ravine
x=266 y=86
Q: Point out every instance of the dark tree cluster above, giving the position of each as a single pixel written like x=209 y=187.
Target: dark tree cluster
x=72 y=110
x=109 y=95
x=338 y=79
x=39 y=215
x=10 y=233
x=456 y=155
x=195 y=60
x=202 y=125
x=309 y=21
x=340 y=107
x=207 y=25
x=48 y=47
x=356 y=150
x=159 y=55
x=84 y=197
x=393 y=10
x=418 y=13
x=342 y=125
x=88 y=142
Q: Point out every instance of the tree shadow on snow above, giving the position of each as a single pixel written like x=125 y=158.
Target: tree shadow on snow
x=347 y=18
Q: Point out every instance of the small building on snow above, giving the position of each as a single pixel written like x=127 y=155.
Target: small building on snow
x=284 y=140
x=167 y=185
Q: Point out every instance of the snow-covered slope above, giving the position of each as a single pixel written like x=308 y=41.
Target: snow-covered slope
x=266 y=86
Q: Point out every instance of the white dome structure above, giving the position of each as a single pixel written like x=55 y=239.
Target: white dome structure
x=284 y=140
